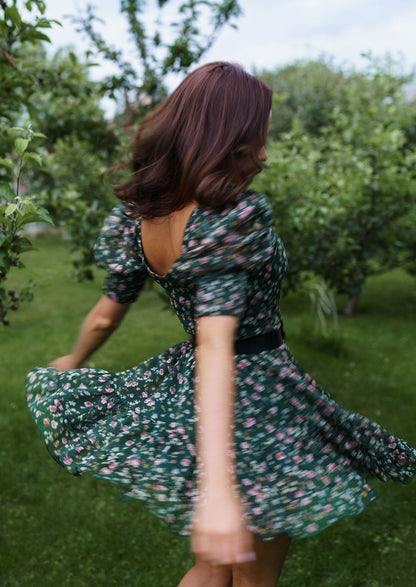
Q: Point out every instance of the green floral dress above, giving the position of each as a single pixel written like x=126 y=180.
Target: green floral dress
x=301 y=458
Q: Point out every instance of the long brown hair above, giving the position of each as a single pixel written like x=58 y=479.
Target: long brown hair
x=201 y=144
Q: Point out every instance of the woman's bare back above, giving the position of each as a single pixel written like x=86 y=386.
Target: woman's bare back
x=162 y=238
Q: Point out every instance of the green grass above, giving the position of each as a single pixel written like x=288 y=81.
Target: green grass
x=65 y=531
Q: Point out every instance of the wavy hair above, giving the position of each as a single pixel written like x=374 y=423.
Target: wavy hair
x=201 y=144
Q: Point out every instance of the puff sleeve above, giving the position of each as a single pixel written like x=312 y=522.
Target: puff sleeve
x=116 y=251
x=231 y=250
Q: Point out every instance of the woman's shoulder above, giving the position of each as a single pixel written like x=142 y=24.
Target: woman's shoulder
x=116 y=248
x=250 y=211
x=234 y=235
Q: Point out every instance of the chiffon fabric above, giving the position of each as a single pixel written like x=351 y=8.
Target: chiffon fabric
x=302 y=459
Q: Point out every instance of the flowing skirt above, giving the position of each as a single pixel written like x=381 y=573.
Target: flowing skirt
x=302 y=459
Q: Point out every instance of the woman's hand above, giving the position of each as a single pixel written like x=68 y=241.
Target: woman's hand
x=219 y=535
x=64 y=363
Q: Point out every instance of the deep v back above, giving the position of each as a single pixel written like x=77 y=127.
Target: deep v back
x=162 y=239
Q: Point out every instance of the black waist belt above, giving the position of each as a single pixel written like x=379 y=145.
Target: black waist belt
x=256 y=344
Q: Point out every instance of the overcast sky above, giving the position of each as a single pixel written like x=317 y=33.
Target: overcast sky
x=272 y=33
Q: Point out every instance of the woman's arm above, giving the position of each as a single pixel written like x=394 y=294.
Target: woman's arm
x=219 y=534
x=99 y=324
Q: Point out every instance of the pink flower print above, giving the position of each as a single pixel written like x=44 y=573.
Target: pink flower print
x=305 y=501
x=46 y=421
x=312 y=528
x=250 y=422
x=67 y=460
x=67 y=386
x=245 y=401
x=298 y=419
x=256 y=396
x=249 y=380
x=161 y=497
x=115 y=267
x=38 y=413
x=245 y=445
x=331 y=467
x=54 y=424
x=88 y=404
x=273 y=410
x=104 y=399
x=105 y=471
x=113 y=424
x=185 y=462
x=172 y=389
x=309 y=458
x=129 y=442
x=299 y=493
x=269 y=427
x=257 y=511
x=148 y=373
x=328 y=508
x=309 y=474
x=297 y=459
x=280 y=456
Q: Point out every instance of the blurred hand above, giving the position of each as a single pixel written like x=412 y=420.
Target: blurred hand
x=219 y=535
x=64 y=363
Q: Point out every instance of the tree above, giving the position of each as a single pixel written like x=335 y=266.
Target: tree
x=161 y=50
x=306 y=91
x=340 y=194
x=81 y=144
x=16 y=90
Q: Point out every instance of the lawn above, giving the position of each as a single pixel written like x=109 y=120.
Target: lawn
x=64 y=531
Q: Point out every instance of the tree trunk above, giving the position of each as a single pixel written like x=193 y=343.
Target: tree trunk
x=351 y=305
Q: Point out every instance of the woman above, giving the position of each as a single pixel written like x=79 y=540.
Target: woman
x=224 y=435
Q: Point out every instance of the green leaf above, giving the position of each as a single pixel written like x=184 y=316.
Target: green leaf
x=11 y=13
x=34 y=157
x=11 y=209
x=6 y=191
x=2 y=238
x=36 y=215
x=21 y=245
x=34 y=35
x=21 y=145
x=6 y=162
